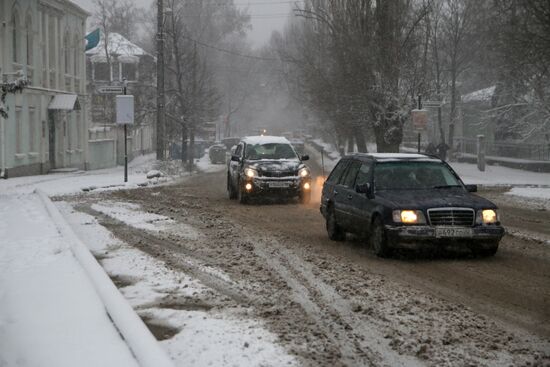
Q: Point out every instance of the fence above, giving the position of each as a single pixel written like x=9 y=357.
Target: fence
x=534 y=152
x=106 y=144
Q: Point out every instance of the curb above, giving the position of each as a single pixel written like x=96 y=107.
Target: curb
x=142 y=343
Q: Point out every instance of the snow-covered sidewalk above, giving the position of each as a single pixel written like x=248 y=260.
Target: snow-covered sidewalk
x=50 y=314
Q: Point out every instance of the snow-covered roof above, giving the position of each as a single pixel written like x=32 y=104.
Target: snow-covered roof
x=117 y=45
x=396 y=155
x=265 y=140
x=385 y=157
x=479 y=95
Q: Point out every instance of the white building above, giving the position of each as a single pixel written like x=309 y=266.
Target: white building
x=47 y=123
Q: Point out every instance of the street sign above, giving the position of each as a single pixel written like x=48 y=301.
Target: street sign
x=110 y=89
x=125 y=110
x=420 y=119
x=432 y=103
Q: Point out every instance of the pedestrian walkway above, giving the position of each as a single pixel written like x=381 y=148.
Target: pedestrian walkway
x=50 y=314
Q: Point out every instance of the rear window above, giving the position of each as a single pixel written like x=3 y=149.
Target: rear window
x=413 y=175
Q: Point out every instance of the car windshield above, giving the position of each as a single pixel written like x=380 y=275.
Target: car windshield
x=413 y=175
x=269 y=151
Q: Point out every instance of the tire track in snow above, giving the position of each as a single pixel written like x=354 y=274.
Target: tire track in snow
x=357 y=339
x=174 y=254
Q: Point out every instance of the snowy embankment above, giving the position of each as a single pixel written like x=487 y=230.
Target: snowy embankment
x=51 y=315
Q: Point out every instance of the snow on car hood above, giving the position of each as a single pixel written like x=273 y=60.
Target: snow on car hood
x=279 y=165
x=433 y=198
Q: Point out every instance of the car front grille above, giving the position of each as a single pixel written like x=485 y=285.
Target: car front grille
x=451 y=216
x=278 y=173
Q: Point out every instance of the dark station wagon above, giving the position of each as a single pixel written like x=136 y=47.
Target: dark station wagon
x=407 y=201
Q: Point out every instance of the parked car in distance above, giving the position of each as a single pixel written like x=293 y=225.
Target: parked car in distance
x=230 y=142
x=217 y=153
x=267 y=166
x=407 y=201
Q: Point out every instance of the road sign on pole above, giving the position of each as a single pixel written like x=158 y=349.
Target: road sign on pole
x=125 y=116
x=125 y=110
x=110 y=89
x=420 y=119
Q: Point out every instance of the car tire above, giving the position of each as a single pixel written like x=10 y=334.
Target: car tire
x=378 y=239
x=486 y=251
x=305 y=197
x=230 y=189
x=242 y=197
x=334 y=231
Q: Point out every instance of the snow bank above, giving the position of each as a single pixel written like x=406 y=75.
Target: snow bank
x=139 y=338
x=496 y=175
x=50 y=314
x=71 y=183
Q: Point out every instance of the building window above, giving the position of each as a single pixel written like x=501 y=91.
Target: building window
x=18 y=131
x=115 y=69
x=77 y=51
x=15 y=35
x=51 y=41
x=129 y=71
x=69 y=133
x=67 y=50
x=101 y=71
x=28 y=24
x=32 y=129
x=78 y=124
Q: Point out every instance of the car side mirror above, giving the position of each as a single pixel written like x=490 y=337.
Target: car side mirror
x=364 y=189
x=471 y=188
x=235 y=158
x=305 y=157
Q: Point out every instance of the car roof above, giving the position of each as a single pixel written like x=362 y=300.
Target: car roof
x=265 y=140
x=394 y=157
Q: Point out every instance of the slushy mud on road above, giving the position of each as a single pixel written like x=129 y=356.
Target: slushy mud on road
x=334 y=304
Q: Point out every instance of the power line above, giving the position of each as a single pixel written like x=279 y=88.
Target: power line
x=234 y=53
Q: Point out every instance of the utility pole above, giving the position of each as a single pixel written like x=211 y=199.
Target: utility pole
x=160 y=81
x=191 y=150
x=124 y=89
x=419 y=107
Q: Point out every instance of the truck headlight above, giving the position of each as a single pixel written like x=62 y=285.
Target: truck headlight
x=487 y=216
x=250 y=172
x=303 y=172
x=409 y=216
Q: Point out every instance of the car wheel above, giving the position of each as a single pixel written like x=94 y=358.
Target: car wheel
x=378 y=240
x=241 y=195
x=231 y=189
x=305 y=197
x=334 y=231
x=486 y=251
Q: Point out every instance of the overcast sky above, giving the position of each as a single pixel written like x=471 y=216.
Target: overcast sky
x=266 y=15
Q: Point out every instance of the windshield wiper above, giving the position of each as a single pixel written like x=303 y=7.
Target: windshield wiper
x=445 y=186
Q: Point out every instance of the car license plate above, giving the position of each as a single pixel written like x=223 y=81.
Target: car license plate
x=453 y=232
x=279 y=184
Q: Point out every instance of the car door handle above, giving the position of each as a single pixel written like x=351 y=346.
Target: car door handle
x=335 y=192
x=350 y=196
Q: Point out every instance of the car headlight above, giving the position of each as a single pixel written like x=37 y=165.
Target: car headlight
x=303 y=172
x=409 y=216
x=250 y=172
x=487 y=216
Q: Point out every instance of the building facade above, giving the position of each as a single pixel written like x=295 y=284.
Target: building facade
x=46 y=128
x=121 y=63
